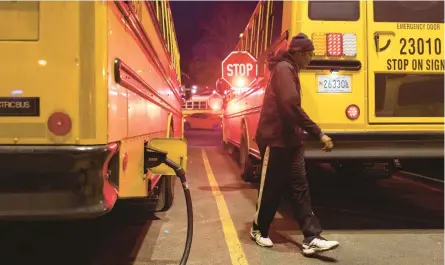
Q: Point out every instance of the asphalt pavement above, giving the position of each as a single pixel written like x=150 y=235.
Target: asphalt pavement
x=394 y=221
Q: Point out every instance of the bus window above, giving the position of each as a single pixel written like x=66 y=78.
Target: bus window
x=334 y=10
x=409 y=11
x=25 y=18
x=409 y=95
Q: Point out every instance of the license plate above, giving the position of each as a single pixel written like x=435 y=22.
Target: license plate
x=334 y=84
x=19 y=107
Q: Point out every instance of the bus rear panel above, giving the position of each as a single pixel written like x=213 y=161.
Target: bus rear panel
x=52 y=109
x=370 y=80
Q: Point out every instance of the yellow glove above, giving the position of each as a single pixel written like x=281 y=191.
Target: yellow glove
x=328 y=144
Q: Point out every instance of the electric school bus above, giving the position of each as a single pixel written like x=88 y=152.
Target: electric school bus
x=375 y=84
x=90 y=100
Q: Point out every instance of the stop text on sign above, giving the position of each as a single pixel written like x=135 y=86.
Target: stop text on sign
x=239 y=69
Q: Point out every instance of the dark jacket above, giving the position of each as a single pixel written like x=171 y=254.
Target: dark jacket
x=281 y=115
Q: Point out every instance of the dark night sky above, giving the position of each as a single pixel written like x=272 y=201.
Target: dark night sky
x=188 y=16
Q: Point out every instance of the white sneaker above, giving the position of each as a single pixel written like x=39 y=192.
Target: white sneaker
x=319 y=244
x=255 y=235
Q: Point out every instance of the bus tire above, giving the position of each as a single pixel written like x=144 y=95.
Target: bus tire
x=166 y=193
x=245 y=161
x=166 y=188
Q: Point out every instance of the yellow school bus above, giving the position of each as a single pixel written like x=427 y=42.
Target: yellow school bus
x=375 y=84
x=85 y=85
x=203 y=112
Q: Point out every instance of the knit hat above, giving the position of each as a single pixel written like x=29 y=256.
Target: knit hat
x=301 y=43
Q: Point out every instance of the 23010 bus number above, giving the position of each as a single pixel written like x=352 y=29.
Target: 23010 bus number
x=421 y=46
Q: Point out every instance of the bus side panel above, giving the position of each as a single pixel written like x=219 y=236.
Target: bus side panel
x=232 y=122
x=253 y=104
x=117 y=94
x=134 y=115
x=52 y=53
x=154 y=78
x=138 y=110
x=144 y=115
x=178 y=129
x=161 y=50
x=132 y=181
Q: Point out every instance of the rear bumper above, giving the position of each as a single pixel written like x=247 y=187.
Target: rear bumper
x=378 y=146
x=54 y=182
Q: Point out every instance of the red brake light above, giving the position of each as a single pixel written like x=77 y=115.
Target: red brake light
x=352 y=112
x=334 y=44
x=59 y=123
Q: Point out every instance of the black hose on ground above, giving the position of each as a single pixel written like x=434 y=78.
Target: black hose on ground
x=188 y=201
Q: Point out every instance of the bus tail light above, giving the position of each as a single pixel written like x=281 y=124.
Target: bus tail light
x=59 y=123
x=335 y=44
x=352 y=112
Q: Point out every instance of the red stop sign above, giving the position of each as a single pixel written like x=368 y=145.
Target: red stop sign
x=239 y=69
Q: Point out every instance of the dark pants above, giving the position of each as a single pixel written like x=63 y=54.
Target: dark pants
x=283 y=170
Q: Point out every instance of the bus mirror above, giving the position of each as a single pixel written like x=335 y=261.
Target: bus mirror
x=176 y=149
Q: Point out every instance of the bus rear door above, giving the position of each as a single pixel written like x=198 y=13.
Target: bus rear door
x=405 y=62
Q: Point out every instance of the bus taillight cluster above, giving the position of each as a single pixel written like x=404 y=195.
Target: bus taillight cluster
x=335 y=44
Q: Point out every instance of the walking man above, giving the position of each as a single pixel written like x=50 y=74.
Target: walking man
x=279 y=138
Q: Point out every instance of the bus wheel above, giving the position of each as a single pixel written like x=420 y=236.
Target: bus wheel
x=166 y=189
x=245 y=161
x=166 y=193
